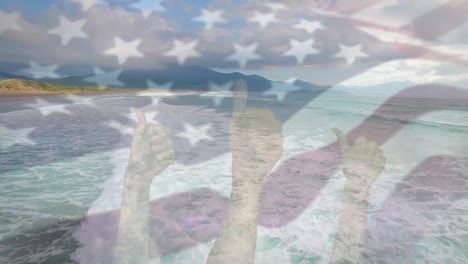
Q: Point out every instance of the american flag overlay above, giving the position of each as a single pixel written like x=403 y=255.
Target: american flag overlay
x=221 y=131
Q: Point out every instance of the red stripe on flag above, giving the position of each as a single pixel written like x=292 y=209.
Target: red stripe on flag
x=440 y=21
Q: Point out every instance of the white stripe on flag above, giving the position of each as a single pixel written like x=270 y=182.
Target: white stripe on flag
x=395 y=14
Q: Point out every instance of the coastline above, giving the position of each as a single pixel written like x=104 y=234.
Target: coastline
x=9 y=93
x=27 y=88
x=142 y=92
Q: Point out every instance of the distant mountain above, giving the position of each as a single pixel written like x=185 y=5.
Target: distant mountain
x=191 y=77
x=5 y=76
x=386 y=89
x=310 y=86
x=182 y=77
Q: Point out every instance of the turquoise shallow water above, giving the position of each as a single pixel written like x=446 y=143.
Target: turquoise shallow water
x=74 y=164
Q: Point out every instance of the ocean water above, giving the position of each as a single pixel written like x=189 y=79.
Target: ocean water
x=62 y=169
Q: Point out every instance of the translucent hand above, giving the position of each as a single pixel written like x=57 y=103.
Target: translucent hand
x=256 y=137
x=362 y=162
x=151 y=151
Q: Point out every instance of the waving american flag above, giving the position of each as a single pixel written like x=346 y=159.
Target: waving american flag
x=391 y=71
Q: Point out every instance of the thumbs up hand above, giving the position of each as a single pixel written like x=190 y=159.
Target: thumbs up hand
x=362 y=162
x=256 y=137
x=151 y=150
x=256 y=144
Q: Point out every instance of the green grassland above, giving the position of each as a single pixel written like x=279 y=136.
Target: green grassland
x=28 y=86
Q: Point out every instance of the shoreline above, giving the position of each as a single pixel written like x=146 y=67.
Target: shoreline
x=48 y=93
x=141 y=92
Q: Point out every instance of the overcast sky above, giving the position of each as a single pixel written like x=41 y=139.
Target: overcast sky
x=30 y=36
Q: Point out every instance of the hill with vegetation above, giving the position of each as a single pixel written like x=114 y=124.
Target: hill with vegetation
x=28 y=86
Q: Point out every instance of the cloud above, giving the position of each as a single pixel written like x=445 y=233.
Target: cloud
x=418 y=71
x=159 y=30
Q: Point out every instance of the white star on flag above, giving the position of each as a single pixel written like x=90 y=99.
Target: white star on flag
x=129 y=128
x=301 y=49
x=67 y=30
x=219 y=91
x=80 y=99
x=10 y=137
x=150 y=117
x=263 y=19
x=244 y=54
x=154 y=101
x=148 y=6
x=154 y=87
x=163 y=87
x=105 y=79
x=350 y=53
x=124 y=50
x=182 y=51
x=153 y=97
x=123 y=129
x=45 y=111
x=9 y=21
x=195 y=135
x=87 y=4
x=209 y=18
x=281 y=92
x=38 y=71
x=160 y=86
x=47 y=108
x=309 y=26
